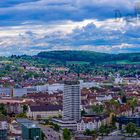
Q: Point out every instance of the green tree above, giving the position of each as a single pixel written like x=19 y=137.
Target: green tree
x=87 y=132
x=90 y=133
x=98 y=109
x=3 y=109
x=83 y=112
x=21 y=115
x=42 y=136
x=25 y=108
x=7 y=68
x=133 y=103
x=56 y=127
x=94 y=133
x=130 y=128
x=66 y=134
x=113 y=105
x=138 y=132
x=113 y=121
x=124 y=99
x=104 y=130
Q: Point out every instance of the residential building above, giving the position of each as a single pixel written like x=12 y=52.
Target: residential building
x=92 y=122
x=102 y=98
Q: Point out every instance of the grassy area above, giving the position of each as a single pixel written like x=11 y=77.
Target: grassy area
x=127 y=62
x=111 y=62
x=5 y=62
x=78 y=62
x=122 y=62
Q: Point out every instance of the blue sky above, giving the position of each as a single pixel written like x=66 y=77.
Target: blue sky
x=31 y=26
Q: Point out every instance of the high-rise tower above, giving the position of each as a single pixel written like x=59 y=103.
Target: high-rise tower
x=71 y=101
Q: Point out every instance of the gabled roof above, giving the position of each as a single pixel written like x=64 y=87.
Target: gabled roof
x=41 y=108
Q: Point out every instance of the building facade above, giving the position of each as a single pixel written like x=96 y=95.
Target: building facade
x=71 y=101
x=44 y=111
x=3 y=130
x=30 y=131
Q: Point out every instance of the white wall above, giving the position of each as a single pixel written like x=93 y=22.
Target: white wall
x=19 y=92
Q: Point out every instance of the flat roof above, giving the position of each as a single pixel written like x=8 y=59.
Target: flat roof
x=23 y=121
x=30 y=125
x=27 y=123
x=71 y=82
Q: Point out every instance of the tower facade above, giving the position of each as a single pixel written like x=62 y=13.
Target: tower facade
x=71 y=101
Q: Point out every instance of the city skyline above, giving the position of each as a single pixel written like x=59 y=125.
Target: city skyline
x=32 y=26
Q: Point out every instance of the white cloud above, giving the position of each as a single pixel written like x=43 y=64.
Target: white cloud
x=31 y=26
x=103 y=36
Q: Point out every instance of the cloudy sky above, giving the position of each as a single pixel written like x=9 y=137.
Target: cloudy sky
x=31 y=26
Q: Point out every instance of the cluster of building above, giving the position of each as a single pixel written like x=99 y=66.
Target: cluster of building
x=64 y=102
x=47 y=88
x=20 y=129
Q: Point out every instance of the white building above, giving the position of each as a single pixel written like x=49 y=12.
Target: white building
x=41 y=88
x=31 y=89
x=70 y=124
x=87 y=84
x=45 y=88
x=52 y=88
x=44 y=111
x=102 y=98
x=5 y=92
x=92 y=123
x=19 y=92
x=118 y=80
x=83 y=126
x=15 y=128
x=55 y=87
x=3 y=125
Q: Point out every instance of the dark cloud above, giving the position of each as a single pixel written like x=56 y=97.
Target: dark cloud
x=16 y=12
x=10 y=3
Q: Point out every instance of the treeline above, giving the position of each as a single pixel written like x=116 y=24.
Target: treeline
x=89 y=56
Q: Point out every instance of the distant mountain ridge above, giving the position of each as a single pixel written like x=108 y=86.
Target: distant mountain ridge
x=89 y=56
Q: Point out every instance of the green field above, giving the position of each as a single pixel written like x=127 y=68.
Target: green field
x=77 y=62
x=122 y=62
x=5 y=62
x=111 y=62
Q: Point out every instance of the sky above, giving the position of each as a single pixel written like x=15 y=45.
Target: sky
x=31 y=26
